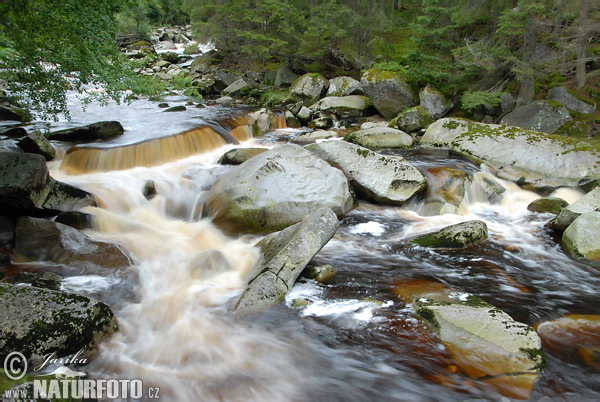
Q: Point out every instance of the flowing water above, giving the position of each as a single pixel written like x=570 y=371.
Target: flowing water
x=356 y=340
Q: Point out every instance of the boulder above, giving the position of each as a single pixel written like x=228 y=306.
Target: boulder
x=238 y=156
x=411 y=120
x=26 y=187
x=304 y=115
x=224 y=100
x=36 y=143
x=380 y=138
x=319 y=274
x=235 y=89
x=345 y=106
x=483 y=341
x=388 y=91
x=178 y=108
x=149 y=190
x=434 y=103
x=321 y=123
x=524 y=156
x=560 y=94
x=308 y=88
x=285 y=255
x=588 y=203
x=314 y=136
x=103 y=130
x=262 y=121
x=14 y=132
x=46 y=280
x=551 y=205
x=541 y=116
x=44 y=240
x=455 y=236
x=223 y=79
x=380 y=178
x=171 y=57
x=38 y=322
x=276 y=189
x=447 y=185
x=76 y=220
x=344 y=86
x=291 y=121
x=13 y=113
x=507 y=102
x=285 y=77
x=582 y=237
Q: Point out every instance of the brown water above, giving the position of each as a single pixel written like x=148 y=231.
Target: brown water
x=178 y=332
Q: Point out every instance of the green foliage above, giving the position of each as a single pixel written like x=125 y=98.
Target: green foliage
x=274 y=97
x=473 y=100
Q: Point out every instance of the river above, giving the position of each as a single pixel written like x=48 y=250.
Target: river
x=356 y=340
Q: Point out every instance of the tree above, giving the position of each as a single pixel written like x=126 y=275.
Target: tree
x=582 y=39
x=48 y=46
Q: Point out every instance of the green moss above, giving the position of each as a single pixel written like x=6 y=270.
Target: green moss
x=535 y=355
x=429 y=316
x=554 y=103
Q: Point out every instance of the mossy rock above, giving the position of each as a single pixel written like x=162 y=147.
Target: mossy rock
x=551 y=205
x=460 y=235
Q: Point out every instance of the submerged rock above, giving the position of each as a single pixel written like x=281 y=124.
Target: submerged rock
x=43 y=240
x=179 y=108
x=574 y=337
x=276 y=189
x=37 y=322
x=588 y=203
x=345 y=106
x=382 y=178
x=562 y=95
x=344 y=86
x=388 y=91
x=483 y=341
x=103 y=130
x=412 y=120
x=550 y=205
x=319 y=274
x=285 y=255
x=541 y=116
x=582 y=237
x=26 y=187
x=308 y=88
x=546 y=162
x=238 y=156
x=380 y=138
x=455 y=236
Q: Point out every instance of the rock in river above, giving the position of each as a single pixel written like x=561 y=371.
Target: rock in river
x=388 y=91
x=238 y=156
x=483 y=341
x=588 y=203
x=382 y=178
x=276 y=189
x=43 y=240
x=308 y=88
x=551 y=205
x=285 y=254
x=102 y=130
x=582 y=237
x=37 y=322
x=516 y=154
x=380 y=138
x=455 y=236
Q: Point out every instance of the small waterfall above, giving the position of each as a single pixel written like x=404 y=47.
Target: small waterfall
x=96 y=158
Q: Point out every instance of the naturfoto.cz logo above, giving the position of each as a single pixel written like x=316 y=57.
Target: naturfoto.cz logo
x=70 y=384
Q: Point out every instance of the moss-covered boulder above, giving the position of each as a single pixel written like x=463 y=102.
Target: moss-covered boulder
x=590 y=202
x=308 y=88
x=36 y=143
x=562 y=95
x=544 y=116
x=582 y=237
x=285 y=255
x=543 y=161
x=455 y=236
x=344 y=86
x=43 y=240
x=103 y=130
x=380 y=138
x=238 y=156
x=434 y=103
x=551 y=205
x=276 y=189
x=37 y=322
x=483 y=341
x=315 y=136
x=573 y=337
x=381 y=178
x=389 y=91
x=345 y=106
x=27 y=188
x=262 y=121
x=412 y=120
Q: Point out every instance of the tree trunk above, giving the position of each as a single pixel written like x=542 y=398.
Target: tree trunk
x=527 y=83
x=582 y=44
x=558 y=20
x=382 y=6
